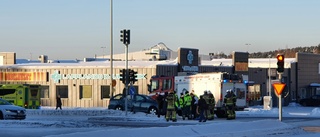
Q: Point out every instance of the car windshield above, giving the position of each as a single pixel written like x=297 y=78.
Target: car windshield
x=3 y=102
x=149 y=98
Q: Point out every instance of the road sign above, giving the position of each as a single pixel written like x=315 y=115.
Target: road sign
x=278 y=87
x=132 y=90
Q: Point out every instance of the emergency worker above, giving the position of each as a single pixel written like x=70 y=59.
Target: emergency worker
x=160 y=100
x=207 y=99
x=194 y=104
x=171 y=106
x=177 y=100
x=187 y=105
x=202 y=108
x=181 y=104
x=229 y=103
x=212 y=103
x=235 y=103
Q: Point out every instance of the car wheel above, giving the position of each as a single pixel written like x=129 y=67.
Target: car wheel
x=153 y=111
x=221 y=114
x=1 y=116
x=304 y=104
x=118 y=108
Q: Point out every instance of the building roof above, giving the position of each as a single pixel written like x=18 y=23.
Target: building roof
x=253 y=63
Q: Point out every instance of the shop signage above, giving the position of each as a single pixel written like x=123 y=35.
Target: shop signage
x=56 y=76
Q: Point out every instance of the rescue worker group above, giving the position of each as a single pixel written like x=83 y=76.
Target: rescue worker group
x=192 y=107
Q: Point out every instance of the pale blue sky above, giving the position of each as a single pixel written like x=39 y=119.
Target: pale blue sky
x=70 y=29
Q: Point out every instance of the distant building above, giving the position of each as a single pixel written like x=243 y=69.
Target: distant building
x=87 y=83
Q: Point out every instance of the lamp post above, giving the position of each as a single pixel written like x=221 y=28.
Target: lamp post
x=103 y=51
x=111 y=47
x=269 y=91
x=247 y=44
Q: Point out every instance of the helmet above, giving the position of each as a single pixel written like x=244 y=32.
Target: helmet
x=205 y=92
x=228 y=90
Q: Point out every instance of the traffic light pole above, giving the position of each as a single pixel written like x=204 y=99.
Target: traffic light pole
x=280 y=100
x=125 y=38
x=126 y=83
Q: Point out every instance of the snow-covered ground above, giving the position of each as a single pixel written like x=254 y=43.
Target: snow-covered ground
x=84 y=122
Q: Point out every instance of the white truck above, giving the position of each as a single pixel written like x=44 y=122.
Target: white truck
x=215 y=82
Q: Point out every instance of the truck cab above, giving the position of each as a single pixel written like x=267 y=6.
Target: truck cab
x=160 y=85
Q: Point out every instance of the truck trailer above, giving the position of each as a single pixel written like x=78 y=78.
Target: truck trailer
x=215 y=82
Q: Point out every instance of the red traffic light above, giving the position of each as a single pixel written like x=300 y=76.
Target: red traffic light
x=280 y=63
x=280 y=58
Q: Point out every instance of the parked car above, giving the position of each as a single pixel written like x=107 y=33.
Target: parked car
x=136 y=103
x=311 y=101
x=10 y=111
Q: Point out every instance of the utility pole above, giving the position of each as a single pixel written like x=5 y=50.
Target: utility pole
x=111 y=47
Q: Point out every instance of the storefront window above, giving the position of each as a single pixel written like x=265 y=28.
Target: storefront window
x=44 y=92
x=85 y=91
x=62 y=91
x=105 y=92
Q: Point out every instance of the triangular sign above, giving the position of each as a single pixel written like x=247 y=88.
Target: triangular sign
x=278 y=87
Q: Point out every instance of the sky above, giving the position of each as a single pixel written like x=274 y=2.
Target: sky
x=60 y=123
x=75 y=29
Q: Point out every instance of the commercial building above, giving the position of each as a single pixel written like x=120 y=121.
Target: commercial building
x=87 y=83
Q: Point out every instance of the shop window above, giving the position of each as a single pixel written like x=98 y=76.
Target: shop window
x=105 y=92
x=62 y=91
x=44 y=93
x=85 y=91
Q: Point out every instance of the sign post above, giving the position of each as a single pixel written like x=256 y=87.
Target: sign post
x=279 y=88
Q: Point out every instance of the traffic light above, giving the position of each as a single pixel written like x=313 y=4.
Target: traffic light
x=123 y=75
x=280 y=63
x=125 y=36
x=132 y=76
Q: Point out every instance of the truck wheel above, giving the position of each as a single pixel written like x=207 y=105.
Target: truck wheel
x=221 y=114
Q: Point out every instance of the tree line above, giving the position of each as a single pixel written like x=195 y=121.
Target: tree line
x=288 y=53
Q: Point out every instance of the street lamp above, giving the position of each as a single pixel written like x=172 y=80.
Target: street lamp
x=269 y=91
x=103 y=51
x=248 y=44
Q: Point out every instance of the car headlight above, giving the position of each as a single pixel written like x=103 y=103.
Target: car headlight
x=8 y=110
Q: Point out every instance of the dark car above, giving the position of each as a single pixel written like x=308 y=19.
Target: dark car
x=311 y=101
x=10 y=111
x=136 y=103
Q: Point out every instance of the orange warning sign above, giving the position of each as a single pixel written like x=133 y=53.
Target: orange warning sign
x=279 y=87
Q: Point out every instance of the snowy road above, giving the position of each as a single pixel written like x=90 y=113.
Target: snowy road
x=38 y=126
x=82 y=122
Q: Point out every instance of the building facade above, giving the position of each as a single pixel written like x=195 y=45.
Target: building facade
x=87 y=84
